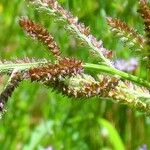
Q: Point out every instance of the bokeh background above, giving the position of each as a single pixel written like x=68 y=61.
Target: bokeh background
x=40 y=118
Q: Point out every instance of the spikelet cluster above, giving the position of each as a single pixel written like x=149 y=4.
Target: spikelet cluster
x=128 y=35
x=83 y=85
x=86 y=86
x=78 y=29
x=39 y=32
x=52 y=72
x=108 y=87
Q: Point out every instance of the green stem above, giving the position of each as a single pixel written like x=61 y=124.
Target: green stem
x=100 y=68
x=121 y=74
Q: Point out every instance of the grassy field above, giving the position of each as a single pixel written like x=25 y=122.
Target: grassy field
x=38 y=117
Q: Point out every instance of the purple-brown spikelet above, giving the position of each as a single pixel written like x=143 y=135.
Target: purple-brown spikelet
x=53 y=75
x=39 y=32
x=51 y=72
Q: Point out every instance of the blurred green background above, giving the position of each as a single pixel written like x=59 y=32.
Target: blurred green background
x=40 y=118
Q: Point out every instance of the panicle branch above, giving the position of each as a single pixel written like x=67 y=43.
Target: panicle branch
x=128 y=35
x=72 y=25
x=39 y=32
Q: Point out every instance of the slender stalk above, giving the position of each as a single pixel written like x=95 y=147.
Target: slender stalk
x=121 y=74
